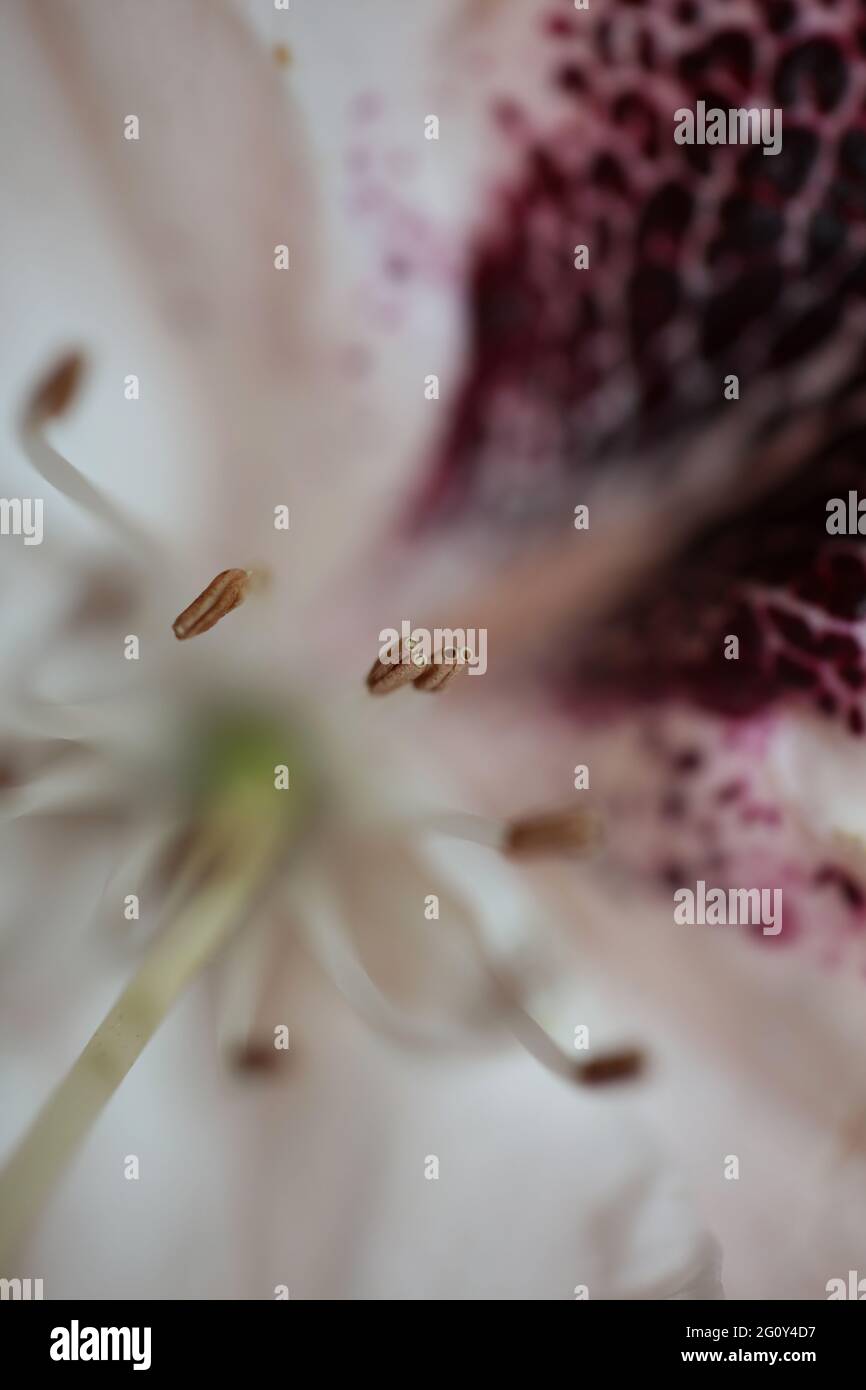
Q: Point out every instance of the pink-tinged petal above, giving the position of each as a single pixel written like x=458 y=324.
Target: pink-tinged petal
x=398 y=213
x=757 y=1046
x=156 y=256
x=606 y=386
x=760 y=1054
x=701 y=259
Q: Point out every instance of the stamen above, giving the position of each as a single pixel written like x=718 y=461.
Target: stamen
x=51 y=399
x=249 y=971
x=53 y=396
x=406 y=669
x=554 y=832
x=385 y=676
x=335 y=946
x=609 y=1067
x=612 y=1067
x=438 y=673
x=254 y=1058
x=222 y=595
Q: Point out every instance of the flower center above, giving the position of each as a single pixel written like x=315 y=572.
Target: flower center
x=246 y=764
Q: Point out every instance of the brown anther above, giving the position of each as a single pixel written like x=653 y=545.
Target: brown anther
x=222 y=595
x=554 y=832
x=407 y=668
x=385 y=676
x=611 y=1067
x=254 y=1058
x=52 y=397
x=401 y=668
x=282 y=55
x=438 y=673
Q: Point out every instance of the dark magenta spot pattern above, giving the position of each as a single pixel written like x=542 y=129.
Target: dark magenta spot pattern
x=703 y=262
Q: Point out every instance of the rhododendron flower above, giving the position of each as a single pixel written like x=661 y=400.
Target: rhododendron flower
x=243 y=790
x=444 y=294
